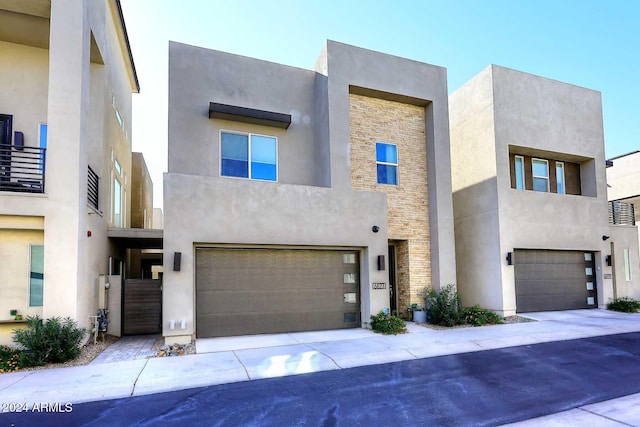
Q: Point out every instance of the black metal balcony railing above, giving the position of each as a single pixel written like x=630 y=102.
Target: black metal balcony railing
x=22 y=169
x=621 y=213
x=93 y=189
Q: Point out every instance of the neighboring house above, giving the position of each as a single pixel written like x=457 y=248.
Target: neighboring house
x=65 y=155
x=623 y=185
x=530 y=196
x=302 y=199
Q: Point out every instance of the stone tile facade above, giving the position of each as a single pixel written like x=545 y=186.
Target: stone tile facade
x=378 y=120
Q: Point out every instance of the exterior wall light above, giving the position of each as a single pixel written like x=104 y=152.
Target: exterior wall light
x=375 y=228
x=605 y=237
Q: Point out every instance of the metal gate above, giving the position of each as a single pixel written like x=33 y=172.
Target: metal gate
x=142 y=307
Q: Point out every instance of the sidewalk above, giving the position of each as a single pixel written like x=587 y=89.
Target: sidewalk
x=226 y=360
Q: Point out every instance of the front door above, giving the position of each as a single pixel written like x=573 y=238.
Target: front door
x=392 y=280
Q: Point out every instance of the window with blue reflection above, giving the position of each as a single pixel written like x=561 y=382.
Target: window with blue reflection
x=387 y=163
x=235 y=155
x=263 y=158
x=249 y=156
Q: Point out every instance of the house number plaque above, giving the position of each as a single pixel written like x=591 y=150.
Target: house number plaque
x=379 y=285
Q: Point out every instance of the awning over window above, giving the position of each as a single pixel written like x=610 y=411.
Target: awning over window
x=249 y=115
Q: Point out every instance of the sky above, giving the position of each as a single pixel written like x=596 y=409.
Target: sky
x=589 y=43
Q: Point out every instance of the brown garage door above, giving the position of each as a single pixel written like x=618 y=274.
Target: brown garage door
x=554 y=280
x=258 y=291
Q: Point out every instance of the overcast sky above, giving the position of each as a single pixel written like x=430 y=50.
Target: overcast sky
x=590 y=43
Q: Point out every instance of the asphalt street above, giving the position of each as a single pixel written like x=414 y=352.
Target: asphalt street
x=473 y=389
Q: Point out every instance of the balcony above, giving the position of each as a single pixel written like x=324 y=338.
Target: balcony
x=621 y=213
x=22 y=169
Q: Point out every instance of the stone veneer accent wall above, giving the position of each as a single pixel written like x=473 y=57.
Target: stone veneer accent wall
x=377 y=120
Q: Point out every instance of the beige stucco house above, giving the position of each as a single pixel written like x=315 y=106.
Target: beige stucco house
x=65 y=155
x=530 y=197
x=302 y=199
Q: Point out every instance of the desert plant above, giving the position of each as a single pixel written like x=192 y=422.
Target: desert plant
x=444 y=307
x=624 y=304
x=478 y=316
x=388 y=324
x=11 y=359
x=53 y=340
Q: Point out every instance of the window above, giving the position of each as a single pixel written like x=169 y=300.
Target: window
x=42 y=135
x=519 y=172
x=119 y=118
x=42 y=142
x=627 y=266
x=248 y=156
x=387 y=163
x=560 y=178
x=36 y=276
x=540 y=175
x=117 y=202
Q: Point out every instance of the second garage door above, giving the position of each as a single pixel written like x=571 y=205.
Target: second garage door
x=554 y=280
x=257 y=291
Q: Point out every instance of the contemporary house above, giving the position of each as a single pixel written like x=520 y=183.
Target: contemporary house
x=302 y=199
x=530 y=197
x=623 y=185
x=65 y=156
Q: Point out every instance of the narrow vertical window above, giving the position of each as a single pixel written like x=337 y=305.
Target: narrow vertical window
x=560 y=178
x=540 y=175
x=42 y=135
x=36 y=276
x=387 y=163
x=42 y=142
x=117 y=203
x=627 y=265
x=519 y=172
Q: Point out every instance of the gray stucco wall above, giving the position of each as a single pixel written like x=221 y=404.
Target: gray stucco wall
x=501 y=108
x=211 y=210
x=202 y=208
x=198 y=76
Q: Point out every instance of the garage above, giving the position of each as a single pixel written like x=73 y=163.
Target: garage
x=260 y=291
x=548 y=280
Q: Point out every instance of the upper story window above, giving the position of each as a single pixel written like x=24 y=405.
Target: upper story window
x=545 y=174
x=540 y=170
x=519 y=164
x=387 y=163
x=247 y=155
x=560 y=178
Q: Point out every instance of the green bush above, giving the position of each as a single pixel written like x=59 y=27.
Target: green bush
x=444 y=307
x=388 y=324
x=53 y=340
x=624 y=304
x=11 y=359
x=478 y=316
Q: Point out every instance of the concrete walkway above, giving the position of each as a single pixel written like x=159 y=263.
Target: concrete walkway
x=128 y=348
x=225 y=360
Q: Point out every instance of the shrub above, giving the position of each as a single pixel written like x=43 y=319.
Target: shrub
x=624 y=304
x=478 y=316
x=388 y=324
x=11 y=359
x=54 y=340
x=443 y=307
